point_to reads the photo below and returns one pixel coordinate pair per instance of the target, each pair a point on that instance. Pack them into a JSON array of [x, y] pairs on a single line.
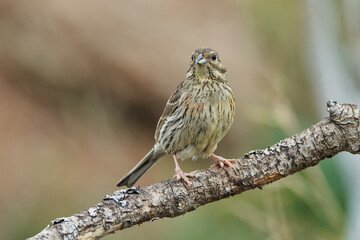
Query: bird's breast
[[211, 116], [203, 117]]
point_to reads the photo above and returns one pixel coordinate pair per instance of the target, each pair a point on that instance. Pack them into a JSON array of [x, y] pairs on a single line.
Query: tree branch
[[171, 198]]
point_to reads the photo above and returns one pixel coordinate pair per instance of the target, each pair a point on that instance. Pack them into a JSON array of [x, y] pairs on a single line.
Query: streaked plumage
[[196, 117]]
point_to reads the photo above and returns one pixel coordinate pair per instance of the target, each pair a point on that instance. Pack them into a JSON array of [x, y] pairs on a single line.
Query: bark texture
[[126, 208]]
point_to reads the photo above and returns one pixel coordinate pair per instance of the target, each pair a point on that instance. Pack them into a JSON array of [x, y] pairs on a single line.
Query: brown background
[[82, 84]]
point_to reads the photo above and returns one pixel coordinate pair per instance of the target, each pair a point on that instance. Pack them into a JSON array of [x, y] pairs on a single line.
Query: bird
[[196, 117]]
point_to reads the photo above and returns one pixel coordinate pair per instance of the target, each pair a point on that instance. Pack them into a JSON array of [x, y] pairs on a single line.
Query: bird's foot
[[221, 162], [179, 174]]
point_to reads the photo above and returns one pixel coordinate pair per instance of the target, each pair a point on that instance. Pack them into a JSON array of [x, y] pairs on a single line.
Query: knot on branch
[[346, 117]]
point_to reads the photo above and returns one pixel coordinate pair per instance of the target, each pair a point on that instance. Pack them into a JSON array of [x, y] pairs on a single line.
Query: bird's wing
[[171, 104]]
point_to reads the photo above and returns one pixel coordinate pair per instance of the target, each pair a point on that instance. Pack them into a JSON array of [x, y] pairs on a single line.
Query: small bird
[[196, 117]]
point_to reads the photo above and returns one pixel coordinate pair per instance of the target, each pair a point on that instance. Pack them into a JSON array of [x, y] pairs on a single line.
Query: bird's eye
[[192, 58], [213, 57]]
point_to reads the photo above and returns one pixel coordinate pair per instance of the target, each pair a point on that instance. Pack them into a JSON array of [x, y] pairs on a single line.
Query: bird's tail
[[131, 177]]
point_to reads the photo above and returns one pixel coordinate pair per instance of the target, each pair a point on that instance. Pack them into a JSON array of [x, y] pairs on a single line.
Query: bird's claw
[[179, 174], [221, 162]]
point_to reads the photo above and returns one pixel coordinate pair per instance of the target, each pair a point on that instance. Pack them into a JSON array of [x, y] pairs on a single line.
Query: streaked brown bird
[[196, 117]]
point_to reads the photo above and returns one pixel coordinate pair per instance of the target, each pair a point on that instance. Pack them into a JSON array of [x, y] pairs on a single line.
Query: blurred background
[[83, 83]]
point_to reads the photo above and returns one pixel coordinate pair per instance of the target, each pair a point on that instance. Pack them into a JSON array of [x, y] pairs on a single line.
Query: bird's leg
[[179, 174], [220, 161]]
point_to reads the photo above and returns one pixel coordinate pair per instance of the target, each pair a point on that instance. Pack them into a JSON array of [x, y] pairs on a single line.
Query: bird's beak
[[200, 59]]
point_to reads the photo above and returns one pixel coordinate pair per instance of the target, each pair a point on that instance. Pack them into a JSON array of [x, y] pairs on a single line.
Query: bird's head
[[205, 63]]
